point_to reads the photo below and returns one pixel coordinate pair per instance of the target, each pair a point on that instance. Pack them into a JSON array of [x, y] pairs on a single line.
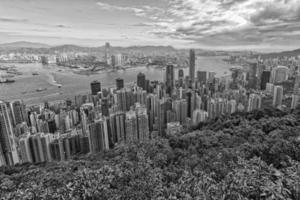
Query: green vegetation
[[243, 156]]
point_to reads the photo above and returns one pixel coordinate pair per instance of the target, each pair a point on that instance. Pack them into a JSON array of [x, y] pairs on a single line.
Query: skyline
[[269, 25]]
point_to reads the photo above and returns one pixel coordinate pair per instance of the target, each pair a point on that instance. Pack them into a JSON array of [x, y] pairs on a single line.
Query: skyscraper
[[270, 88], [143, 123], [192, 64], [254, 102], [169, 79], [180, 107], [180, 74], [119, 83], [131, 126], [278, 96], [265, 78], [141, 80], [199, 116], [295, 100], [18, 112], [202, 76], [107, 53], [95, 87], [7, 137], [98, 136], [297, 84], [279, 74], [180, 77], [296, 92], [105, 106]]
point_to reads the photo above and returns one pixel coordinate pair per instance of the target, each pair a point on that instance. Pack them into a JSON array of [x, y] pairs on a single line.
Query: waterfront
[[53, 76]]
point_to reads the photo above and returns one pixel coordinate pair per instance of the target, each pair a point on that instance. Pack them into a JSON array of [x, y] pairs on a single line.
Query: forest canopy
[[243, 156]]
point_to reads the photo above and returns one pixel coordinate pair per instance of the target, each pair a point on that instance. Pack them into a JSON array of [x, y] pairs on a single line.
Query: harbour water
[[57, 83]]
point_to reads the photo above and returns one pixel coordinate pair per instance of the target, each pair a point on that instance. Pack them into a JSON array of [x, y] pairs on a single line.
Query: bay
[[51, 76]]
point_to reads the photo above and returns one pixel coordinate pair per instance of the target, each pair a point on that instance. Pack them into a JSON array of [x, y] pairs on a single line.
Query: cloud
[[12, 20], [109, 7], [227, 22], [141, 11]]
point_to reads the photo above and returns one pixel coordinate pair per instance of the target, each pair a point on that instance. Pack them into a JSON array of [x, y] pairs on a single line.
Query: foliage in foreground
[[252, 156]]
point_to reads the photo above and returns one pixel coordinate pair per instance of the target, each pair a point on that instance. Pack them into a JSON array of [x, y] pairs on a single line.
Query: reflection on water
[[62, 83]]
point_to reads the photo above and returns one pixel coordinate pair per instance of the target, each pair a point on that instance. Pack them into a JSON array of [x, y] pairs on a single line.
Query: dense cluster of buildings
[[107, 117]]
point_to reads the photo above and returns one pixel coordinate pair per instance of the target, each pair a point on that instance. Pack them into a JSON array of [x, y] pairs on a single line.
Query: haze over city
[[268, 25]]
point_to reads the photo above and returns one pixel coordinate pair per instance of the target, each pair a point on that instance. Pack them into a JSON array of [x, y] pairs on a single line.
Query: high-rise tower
[[192, 65], [169, 79], [95, 87], [141, 80], [7, 137]]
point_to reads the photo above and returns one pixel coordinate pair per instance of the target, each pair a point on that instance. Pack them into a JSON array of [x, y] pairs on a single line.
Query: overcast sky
[[213, 24]]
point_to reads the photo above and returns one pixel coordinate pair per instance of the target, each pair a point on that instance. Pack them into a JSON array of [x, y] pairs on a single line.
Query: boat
[[41, 89], [7, 81], [35, 73], [7, 76]]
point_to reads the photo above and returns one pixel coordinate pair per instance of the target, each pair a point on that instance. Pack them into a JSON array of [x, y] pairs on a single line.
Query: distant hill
[[23, 44], [38, 48], [295, 52]]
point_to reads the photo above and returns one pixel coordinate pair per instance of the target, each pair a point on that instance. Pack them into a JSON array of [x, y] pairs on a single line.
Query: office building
[[25, 153], [95, 87], [107, 57], [116, 128], [98, 136], [7, 137], [169, 79], [180, 77], [199, 116], [202, 76], [141, 80], [297, 84], [192, 65], [265, 78], [295, 101], [254, 102], [270, 88], [131, 126], [142, 123], [180, 74], [279, 74], [119, 83], [18, 112], [277, 96], [211, 77], [181, 109]]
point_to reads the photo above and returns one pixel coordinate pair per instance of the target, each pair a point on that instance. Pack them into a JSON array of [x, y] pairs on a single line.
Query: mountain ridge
[[24, 44]]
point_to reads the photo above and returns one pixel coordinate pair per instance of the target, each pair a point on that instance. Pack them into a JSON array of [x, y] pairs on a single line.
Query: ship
[[7, 76], [35, 73], [41, 89], [7, 81]]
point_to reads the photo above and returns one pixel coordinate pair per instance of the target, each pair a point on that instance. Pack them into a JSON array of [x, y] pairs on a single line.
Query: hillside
[[243, 156], [23, 44], [37, 48], [295, 52]]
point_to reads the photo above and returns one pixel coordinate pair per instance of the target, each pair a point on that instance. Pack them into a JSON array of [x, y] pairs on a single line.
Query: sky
[[264, 25]]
